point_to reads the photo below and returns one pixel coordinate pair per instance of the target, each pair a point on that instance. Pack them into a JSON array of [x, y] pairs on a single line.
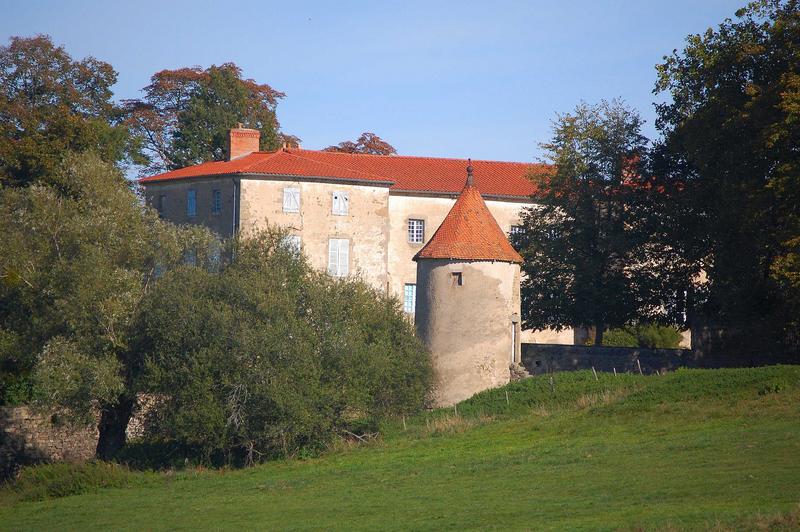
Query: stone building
[[351, 214], [468, 300]]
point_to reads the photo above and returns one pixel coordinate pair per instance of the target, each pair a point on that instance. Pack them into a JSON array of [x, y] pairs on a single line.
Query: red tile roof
[[469, 232], [402, 173]]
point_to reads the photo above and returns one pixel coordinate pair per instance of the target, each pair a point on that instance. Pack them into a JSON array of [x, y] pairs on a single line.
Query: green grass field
[[694, 449]]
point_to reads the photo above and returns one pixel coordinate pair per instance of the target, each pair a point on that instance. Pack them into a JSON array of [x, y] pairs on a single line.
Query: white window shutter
[[333, 256], [344, 257], [340, 202], [291, 200]]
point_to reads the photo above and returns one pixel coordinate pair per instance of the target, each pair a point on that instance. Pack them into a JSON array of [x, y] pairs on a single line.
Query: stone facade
[[365, 224], [471, 330]]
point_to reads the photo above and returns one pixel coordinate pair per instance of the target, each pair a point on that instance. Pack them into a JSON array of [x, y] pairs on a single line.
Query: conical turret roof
[[469, 232]]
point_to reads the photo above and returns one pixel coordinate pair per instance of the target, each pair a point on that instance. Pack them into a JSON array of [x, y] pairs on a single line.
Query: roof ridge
[[364, 172], [427, 157]]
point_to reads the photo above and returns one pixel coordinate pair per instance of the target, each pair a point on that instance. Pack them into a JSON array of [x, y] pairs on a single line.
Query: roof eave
[[281, 177]]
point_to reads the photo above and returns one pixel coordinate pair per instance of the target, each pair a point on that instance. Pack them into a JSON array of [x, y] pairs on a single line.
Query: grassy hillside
[[691, 449]]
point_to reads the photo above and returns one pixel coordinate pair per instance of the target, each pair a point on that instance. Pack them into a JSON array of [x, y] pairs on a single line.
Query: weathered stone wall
[[27, 437], [366, 225], [544, 358], [468, 328], [173, 205]]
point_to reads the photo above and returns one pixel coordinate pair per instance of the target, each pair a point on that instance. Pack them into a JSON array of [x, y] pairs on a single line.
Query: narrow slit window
[[458, 279]]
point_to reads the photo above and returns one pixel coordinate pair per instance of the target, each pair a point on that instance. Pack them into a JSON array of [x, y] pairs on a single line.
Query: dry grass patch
[[452, 424]]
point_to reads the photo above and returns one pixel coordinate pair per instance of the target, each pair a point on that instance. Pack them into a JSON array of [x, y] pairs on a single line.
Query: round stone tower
[[468, 300]]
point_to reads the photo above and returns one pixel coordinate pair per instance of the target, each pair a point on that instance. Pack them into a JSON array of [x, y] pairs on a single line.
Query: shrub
[[266, 357], [60, 480], [650, 336]]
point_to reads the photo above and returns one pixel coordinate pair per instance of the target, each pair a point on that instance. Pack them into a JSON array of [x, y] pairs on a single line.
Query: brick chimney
[[242, 141]]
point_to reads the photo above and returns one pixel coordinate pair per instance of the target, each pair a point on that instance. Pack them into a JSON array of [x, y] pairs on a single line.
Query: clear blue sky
[[453, 79]]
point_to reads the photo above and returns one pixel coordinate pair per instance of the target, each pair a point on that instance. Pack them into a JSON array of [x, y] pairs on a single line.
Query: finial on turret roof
[[469, 172]]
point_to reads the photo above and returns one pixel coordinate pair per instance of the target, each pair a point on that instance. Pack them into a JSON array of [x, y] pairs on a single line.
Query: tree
[[588, 256], [267, 356], [731, 131], [185, 115], [78, 258], [368, 143], [50, 105]]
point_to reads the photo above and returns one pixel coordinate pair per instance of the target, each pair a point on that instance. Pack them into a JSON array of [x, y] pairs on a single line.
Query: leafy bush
[[266, 357], [60, 480], [646, 335], [620, 338]]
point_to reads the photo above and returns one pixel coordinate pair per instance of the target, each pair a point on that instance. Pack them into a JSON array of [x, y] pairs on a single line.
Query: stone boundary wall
[[544, 358], [27, 437]]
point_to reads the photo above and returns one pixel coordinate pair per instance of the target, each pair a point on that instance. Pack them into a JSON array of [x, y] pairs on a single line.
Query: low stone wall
[[27, 437], [545, 358]]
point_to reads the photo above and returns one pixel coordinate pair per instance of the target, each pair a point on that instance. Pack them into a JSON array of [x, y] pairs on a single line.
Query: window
[[409, 298], [341, 203], [161, 204], [292, 242], [191, 203], [216, 201], [416, 231], [458, 279], [291, 200], [338, 257], [190, 257], [515, 234]]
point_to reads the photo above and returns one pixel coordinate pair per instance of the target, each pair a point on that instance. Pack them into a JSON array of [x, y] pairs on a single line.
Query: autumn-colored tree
[[185, 115], [51, 104], [731, 129], [368, 143]]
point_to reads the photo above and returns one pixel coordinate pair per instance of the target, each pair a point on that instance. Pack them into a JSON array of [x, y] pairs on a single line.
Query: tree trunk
[[113, 424], [598, 334]]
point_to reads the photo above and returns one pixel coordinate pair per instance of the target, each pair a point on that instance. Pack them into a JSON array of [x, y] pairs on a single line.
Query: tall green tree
[[589, 257], [731, 131], [185, 115], [52, 104], [79, 256]]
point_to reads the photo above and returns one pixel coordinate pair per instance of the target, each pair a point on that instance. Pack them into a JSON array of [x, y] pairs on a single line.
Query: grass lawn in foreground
[[692, 449]]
